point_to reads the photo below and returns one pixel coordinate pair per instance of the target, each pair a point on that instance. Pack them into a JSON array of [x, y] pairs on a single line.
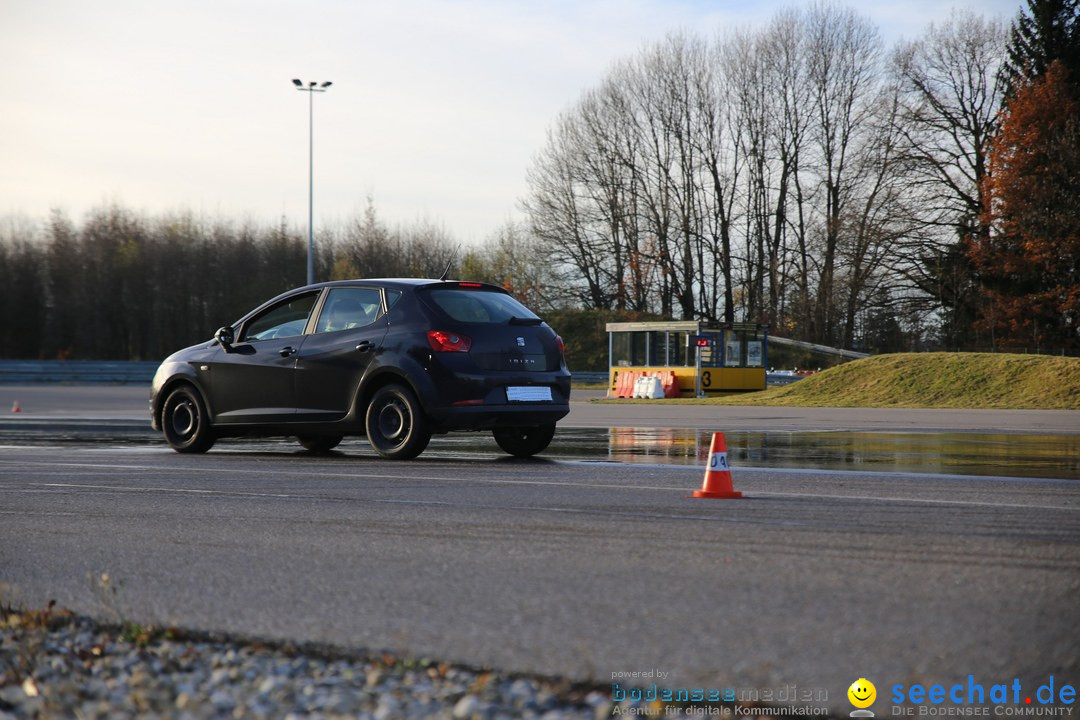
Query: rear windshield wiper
[[525, 321]]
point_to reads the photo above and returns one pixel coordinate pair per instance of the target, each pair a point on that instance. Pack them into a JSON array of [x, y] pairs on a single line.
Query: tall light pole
[[311, 89]]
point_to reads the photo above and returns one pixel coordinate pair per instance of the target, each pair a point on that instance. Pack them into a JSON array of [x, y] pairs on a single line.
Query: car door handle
[[287, 351], [364, 345]]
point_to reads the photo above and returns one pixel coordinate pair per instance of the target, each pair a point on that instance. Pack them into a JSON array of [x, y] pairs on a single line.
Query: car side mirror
[[224, 336]]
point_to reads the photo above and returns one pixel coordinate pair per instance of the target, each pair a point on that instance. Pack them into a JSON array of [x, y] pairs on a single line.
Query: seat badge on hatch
[[521, 342]]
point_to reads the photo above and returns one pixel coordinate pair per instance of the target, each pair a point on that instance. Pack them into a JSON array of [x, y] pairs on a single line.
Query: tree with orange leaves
[[1029, 264]]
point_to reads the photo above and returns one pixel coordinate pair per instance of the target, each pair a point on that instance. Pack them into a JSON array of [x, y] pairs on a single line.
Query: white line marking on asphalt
[[497, 481], [37, 513], [928, 501], [766, 493], [443, 503], [350, 475], [750, 469], [190, 491]]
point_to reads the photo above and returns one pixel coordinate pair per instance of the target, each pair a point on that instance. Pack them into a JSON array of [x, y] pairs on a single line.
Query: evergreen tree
[[1048, 30]]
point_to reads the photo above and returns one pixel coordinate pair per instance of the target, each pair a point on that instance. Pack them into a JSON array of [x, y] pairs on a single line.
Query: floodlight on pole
[[310, 90]]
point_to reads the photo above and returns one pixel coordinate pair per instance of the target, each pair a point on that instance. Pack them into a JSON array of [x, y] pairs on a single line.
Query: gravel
[[56, 664]]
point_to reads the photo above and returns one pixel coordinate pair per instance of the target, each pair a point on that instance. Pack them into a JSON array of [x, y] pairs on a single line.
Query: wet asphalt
[[583, 568]]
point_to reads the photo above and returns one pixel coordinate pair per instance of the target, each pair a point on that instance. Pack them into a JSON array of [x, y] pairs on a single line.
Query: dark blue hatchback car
[[396, 360]]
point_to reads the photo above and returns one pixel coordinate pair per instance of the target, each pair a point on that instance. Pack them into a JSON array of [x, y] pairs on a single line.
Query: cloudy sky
[[436, 108]]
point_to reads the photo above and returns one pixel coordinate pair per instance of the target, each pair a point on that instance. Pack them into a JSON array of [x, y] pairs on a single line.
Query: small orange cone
[[15, 407], [717, 482]]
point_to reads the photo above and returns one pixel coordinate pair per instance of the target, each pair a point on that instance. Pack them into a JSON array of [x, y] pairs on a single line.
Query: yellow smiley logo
[[862, 693]]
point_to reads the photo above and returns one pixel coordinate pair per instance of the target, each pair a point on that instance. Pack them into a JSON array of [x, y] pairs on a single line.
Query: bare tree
[[777, 175], [951, 95], [560, 216], [877, 218], [843, 51], [744, 66], [608, 156], [770, 92], [719, 127], [784, 50], [23, 290]]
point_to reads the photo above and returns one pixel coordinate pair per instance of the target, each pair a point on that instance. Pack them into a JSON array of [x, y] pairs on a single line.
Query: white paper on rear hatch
[[528, 394]]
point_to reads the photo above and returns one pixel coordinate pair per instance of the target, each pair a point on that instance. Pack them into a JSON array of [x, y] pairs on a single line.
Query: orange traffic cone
[[717, 482], [15, 407]]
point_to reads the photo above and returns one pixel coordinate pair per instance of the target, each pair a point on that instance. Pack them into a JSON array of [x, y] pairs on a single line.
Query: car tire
[[524, 441], [320, 443], [396, 426], [185, 421]]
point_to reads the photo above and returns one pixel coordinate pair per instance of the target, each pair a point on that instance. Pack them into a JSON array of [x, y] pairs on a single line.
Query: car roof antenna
[[446, 272]]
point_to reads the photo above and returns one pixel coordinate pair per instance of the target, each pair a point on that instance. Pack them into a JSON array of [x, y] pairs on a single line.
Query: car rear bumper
[[488, 417], [459, 398]]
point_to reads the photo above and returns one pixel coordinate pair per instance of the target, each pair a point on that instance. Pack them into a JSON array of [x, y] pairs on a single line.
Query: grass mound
[[935, 380]]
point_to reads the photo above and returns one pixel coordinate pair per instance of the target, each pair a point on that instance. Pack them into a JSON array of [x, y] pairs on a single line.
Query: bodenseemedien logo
[[862, 694]]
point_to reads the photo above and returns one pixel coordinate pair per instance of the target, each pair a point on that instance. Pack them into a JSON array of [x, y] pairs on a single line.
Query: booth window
[[654, 348]]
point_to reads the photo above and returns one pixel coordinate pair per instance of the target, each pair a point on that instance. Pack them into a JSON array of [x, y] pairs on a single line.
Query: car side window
[[348, 308], [286, 319]]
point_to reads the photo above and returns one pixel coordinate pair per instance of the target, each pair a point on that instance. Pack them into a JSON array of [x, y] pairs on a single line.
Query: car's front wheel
[[319, 443], [395, 423], [185, 422], [524, 441]]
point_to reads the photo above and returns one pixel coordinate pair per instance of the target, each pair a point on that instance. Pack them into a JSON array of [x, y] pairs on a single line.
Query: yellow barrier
[[713, 379]]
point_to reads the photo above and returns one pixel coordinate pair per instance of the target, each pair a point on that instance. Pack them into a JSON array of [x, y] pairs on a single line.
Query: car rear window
[[480, 306]]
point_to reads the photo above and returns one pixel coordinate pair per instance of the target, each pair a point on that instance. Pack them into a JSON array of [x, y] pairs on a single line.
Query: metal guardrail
[[77, 372], [598, 377], [771, 378], [118, 372], [814, 347]]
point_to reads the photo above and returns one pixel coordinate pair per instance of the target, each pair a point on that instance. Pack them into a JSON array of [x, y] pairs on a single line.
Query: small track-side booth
[[693, 358]]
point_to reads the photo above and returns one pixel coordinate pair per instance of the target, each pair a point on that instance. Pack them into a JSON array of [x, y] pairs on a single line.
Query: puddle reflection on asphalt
[[1012, 455], [1037, 456]]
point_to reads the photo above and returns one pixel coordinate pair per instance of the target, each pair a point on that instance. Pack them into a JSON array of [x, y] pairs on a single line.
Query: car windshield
[[481, 306]]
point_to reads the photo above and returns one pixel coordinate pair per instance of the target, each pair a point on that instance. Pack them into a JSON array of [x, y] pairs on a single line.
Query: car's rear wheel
[[185, 422], [395, 423], [524, 441], [319, 443]]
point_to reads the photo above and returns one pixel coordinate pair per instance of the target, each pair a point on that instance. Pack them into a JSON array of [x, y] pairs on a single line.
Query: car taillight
[[442, 341], [560, 344], [470, 285]]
